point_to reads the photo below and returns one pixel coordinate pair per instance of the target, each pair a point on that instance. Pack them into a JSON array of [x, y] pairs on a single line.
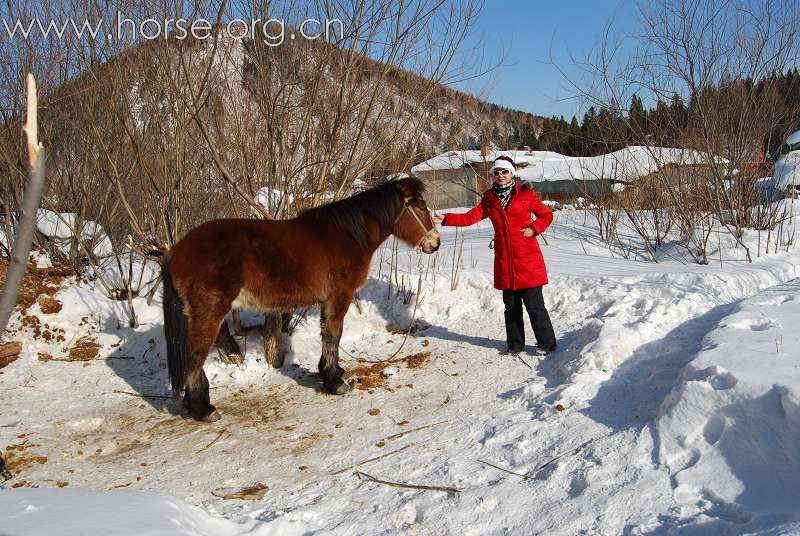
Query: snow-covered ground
[[728, 433], [671, 406], [45, 512]]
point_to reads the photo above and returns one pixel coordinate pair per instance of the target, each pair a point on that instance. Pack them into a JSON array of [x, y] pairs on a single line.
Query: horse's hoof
[[338, 388], [211, 417]]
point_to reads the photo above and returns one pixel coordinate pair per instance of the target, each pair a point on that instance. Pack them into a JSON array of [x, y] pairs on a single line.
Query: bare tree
[[715, 56]]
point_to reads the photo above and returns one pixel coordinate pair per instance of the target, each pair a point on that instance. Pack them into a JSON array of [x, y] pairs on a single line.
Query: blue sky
[[526, 32]]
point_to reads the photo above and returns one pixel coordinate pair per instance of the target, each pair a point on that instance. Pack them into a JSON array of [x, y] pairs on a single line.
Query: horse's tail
[[175, 328]]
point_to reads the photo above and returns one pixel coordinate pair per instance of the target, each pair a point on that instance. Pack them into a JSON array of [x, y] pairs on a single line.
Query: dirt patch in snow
[[370, 377], [41, 330], [48, 304], [417, 360], [137, 431], [84, 349], [134, 439], [373, 376], [39, 282], [18, 458]]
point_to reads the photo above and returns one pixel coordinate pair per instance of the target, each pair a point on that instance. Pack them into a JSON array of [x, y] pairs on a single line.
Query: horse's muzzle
[[430, 242]]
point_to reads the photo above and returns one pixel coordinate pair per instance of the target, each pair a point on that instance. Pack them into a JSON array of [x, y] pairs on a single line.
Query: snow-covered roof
[[793, 140], [787, 170], [625, 165]]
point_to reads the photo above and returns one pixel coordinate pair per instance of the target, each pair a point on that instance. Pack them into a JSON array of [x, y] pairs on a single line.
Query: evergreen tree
[[637, 117], [678, 111]]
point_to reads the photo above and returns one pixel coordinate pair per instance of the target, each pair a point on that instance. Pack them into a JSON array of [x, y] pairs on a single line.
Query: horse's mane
[[379, 202]]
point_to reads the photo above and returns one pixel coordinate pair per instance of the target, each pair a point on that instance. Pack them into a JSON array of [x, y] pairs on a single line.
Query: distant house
[[787, 168], [458, 178]]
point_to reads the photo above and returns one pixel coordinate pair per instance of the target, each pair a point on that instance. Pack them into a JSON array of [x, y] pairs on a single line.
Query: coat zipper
[[508, 233]]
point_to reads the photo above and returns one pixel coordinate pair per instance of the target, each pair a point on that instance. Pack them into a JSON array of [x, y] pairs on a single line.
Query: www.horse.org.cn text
[[272, 32]]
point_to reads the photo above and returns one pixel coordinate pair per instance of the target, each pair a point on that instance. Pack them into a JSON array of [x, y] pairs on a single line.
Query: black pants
[[540, 320]]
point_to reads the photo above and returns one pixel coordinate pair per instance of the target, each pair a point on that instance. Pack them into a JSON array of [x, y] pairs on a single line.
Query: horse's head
[[413, 224]]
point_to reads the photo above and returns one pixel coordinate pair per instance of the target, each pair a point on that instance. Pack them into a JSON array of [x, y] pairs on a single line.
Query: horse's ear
[[410, 187], [403, 189]]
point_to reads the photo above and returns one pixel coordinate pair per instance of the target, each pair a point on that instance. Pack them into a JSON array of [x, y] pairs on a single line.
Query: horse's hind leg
[[331, 322], [203, 328], [196, 397]]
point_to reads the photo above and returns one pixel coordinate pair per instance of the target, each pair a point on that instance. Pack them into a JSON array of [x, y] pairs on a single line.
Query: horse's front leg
[[331, 321]]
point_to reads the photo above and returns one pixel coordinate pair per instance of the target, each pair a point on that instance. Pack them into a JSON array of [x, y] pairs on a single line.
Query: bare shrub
[[709, 67]]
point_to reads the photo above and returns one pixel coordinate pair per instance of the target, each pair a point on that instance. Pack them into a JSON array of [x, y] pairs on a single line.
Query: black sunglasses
[[498, 172]]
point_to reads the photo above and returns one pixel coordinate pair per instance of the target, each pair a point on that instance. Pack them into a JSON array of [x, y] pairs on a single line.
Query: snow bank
[[34, 512], [270, 198], [142, 272], [730, 430], [625, 165], [62, 228]]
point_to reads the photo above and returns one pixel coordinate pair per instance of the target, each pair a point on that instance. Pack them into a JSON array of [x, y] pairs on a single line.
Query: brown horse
[[320, 257]]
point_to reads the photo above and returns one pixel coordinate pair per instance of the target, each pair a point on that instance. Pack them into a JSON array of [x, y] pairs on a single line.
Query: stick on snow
[[376, 458], [523, 477], [401, 434], [408, 486], [556, 458]]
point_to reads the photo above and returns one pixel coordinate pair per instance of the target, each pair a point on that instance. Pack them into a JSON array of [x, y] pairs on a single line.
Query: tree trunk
[[9, 353], [271, 334], [27, 217], [227, 347]]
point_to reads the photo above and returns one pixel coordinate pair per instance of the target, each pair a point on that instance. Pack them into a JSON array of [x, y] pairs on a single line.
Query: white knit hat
[[502, 163]]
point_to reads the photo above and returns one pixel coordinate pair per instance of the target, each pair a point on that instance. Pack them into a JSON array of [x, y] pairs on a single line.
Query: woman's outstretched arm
[[471, 217]]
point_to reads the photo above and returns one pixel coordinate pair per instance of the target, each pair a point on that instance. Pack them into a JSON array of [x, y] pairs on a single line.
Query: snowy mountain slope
[[583, 430]]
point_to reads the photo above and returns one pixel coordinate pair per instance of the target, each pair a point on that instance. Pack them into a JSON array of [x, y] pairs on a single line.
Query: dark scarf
[[504, 192]]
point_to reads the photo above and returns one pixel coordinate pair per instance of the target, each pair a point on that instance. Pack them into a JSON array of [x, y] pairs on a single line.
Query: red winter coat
[[518, 261]]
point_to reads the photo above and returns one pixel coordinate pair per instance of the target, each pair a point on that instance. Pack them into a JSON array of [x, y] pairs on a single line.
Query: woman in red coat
[[519, 269]]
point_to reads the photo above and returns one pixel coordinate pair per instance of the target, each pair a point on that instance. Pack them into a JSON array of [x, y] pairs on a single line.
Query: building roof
[[625, 165], [787, 170], [793, 140]]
